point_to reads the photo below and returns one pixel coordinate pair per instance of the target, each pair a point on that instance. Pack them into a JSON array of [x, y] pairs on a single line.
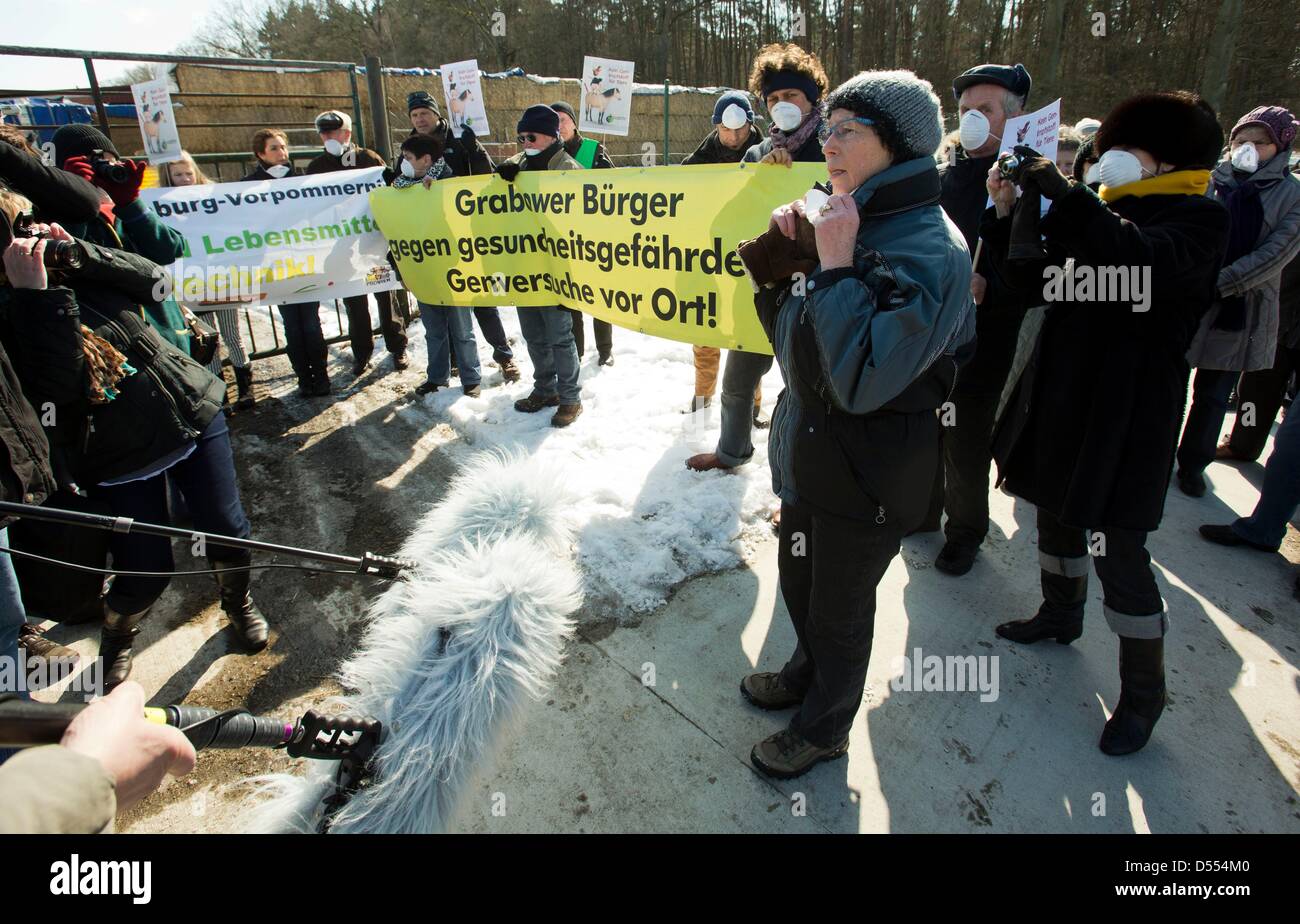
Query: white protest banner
[[460, 85], [1040, 130], [297, 239], [606, 96], [153, 109]]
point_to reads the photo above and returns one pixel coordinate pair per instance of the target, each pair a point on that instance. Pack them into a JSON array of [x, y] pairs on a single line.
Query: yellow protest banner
[[652, 249]]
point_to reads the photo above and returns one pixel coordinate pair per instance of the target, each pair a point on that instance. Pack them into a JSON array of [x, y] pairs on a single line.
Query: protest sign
[[460, 85], [295, 239], [1040, 130], [153, 109], [651, 249], [606, 96]]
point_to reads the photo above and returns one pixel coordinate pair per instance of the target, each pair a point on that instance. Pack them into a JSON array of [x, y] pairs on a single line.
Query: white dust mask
[[335, 147], [1246, 157], [787, 116], [278, 171], [974, 130], [1119, 168]]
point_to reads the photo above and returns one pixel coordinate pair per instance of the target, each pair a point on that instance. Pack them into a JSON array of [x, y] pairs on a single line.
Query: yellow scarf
[[1174, 183]]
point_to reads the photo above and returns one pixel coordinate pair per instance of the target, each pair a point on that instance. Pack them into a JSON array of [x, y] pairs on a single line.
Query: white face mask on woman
[[408, 169], [787, 116], [1245, 157], [1119, 168], [278, 171], [974, 130]]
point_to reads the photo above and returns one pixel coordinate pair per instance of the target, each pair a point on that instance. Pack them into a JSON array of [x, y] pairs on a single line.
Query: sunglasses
[[841, 129], [527, 136]]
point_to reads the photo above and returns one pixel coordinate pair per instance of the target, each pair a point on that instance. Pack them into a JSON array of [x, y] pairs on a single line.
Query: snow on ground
[[644, 522]]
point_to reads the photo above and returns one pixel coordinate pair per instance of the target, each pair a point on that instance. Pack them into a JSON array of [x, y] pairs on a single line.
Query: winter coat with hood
[[713, 151], [1257, 275], [168, 400], [1090, 429], [869, 352]]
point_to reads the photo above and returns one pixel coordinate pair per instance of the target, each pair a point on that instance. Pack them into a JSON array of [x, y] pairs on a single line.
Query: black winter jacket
[[168, 401], [713, 151]]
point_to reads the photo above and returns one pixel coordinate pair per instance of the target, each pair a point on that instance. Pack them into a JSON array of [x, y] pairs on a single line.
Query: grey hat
[[907, 113]]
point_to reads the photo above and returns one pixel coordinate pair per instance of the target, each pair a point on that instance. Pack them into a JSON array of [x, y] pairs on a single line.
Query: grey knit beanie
[[907, 113]]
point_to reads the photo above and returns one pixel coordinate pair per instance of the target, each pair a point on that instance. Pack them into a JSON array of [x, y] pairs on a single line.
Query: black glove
[[508, 171], [1041, 173]]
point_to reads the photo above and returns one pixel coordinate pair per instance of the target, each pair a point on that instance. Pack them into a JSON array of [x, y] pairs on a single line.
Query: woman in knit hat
[[1240, 334], [869, 345], [1091, 425]]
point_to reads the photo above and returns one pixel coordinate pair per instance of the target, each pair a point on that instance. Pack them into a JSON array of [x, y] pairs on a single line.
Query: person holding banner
[[790, 82], [445, 327], [869, 344], [465, 156], [304, 340], [590, 154], [733, 134], [340, 153], [548, 331]]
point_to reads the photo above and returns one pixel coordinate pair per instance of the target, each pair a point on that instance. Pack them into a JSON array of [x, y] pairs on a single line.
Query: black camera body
[[1009, 165], [108, 170]]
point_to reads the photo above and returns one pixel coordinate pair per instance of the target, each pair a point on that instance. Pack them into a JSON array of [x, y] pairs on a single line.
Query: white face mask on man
[[786, 116], [974, 130], [278, 171], [1245, 157], [335, 147], [1119, 168]]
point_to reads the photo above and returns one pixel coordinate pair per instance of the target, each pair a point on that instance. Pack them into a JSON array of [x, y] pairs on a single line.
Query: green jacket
[[137, 230]]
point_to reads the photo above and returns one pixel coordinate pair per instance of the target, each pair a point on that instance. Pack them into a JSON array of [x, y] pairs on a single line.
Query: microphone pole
[[368, 563]]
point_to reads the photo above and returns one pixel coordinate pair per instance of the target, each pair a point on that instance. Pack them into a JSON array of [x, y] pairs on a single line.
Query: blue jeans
[[1281, 493], [12, 613], [206, 479], [304, 340], [549, 335], [444, 324]]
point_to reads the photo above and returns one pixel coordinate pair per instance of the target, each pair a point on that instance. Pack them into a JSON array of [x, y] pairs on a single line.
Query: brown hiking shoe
[[535, 402], [787, 754], [32, 639], [1224, 453], [766, 691], [566, 415], [509, 371]]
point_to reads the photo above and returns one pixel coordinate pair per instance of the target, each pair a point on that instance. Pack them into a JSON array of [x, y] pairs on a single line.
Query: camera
[[108, 170], [61, 255], [1009, 165]]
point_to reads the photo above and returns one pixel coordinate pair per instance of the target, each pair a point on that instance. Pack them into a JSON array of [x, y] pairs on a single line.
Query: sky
[[148, 26]]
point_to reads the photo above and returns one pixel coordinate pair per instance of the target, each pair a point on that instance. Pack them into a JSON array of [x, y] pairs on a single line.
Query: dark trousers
[[741, 378], [304, 340], [206, 479], [1132, 602], [1259, 398], [830, 591], [604, 333], [1210, 393], [391, 323], [967, 442]]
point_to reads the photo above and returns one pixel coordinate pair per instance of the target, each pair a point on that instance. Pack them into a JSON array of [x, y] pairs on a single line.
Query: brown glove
[[772, 258]]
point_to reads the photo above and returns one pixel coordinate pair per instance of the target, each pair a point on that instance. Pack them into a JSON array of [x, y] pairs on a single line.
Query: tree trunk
[[1218, 58]]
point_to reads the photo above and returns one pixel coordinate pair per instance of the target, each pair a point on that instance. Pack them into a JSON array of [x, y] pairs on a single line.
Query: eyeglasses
[[527, 137], [840, 129]]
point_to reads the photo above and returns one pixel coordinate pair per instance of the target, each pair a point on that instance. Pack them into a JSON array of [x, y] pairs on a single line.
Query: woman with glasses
[[869, 351]]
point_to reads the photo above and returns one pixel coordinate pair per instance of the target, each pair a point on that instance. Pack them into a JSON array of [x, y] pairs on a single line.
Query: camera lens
[[63, 255], [112, 172]]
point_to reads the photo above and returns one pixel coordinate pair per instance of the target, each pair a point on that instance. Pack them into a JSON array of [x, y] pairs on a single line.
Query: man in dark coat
[[986, 96], [342, 154], [1091, 427], [466, 157]]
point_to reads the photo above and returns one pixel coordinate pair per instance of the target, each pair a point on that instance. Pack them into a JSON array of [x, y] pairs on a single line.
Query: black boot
[[244, 382], [115, 643], [1060, 616], [234, 580], [1141, 696]]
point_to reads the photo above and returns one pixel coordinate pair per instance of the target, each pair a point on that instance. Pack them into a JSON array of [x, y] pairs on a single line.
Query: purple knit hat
[[1278, 122]]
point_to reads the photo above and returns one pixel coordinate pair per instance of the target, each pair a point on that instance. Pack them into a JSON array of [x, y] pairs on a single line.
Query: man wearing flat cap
[[986, 97]]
